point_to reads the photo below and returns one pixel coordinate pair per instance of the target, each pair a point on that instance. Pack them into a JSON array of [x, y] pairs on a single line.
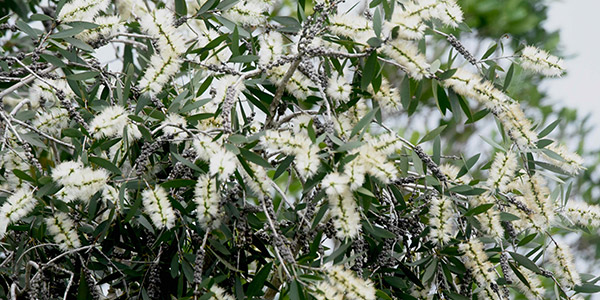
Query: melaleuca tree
[[235, 150]]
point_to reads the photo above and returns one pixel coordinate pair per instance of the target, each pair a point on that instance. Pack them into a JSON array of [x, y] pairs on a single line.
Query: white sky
[[577, 22]]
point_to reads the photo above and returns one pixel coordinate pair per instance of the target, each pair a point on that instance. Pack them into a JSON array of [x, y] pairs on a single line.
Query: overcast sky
[[578, 26]]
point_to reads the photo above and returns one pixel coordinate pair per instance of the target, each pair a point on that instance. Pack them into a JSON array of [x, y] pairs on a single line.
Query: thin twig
[[26, 80]]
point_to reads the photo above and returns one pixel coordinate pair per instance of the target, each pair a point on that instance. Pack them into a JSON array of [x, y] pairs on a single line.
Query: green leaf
[[290, 24], [363, 122], [468, 165], [243, 58], [283, 166], [175, 104], [258, 282], [26, 28], [22, 175], [296, 291], [479, 209], [53, 60], [509, 76], [83, 75], [490, 51], [504, 216], [527, 239], [40, 17], [79, 44], [525, 262], [206, 6], [177, 183], [447, 74], [186, 162], [104, 164], [67, 33], [587, 288], [546, 131], [377, 23], [368, 71], [349, 146], [430, 270], [410, 274], [432, 134], [255, 158], [180, 7]]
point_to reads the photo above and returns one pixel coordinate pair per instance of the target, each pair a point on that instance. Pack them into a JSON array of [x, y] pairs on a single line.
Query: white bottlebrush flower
[[345, 121], [440, 219], [335, 183], [583, 213], [81, 10], [357, 28], [208, 199], [346, 218], [489, 219], [388, 97], [158, 207], [349, 284], [301, 123], [338, 88], [205, 147], [249, 13], [219, 293], [564, 267], [491, 97], [160, 23], [159, 72], [217, 55], [534, 289], [306, 154], [78, 182], [376, 163], [222, 85], [407, 55], [13, 160], [488, 293], [271, 46], [452, 171], [307, 161], [110, 122], [477, 262], [127, 8], [386, 143], [355, 170], [423, 8], [172, 126], [326, 291], [502, 170], [410, 26], [449, 13], [260, 183], [108, 26], [536, 196], [540, 61], [421, 293], [65, 169], [518, 126], [570, 162], [463, 83], [298, 85], [223, 164], [44, 91], [61, 227], [111, 194], [17, 206], [52, 121]]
